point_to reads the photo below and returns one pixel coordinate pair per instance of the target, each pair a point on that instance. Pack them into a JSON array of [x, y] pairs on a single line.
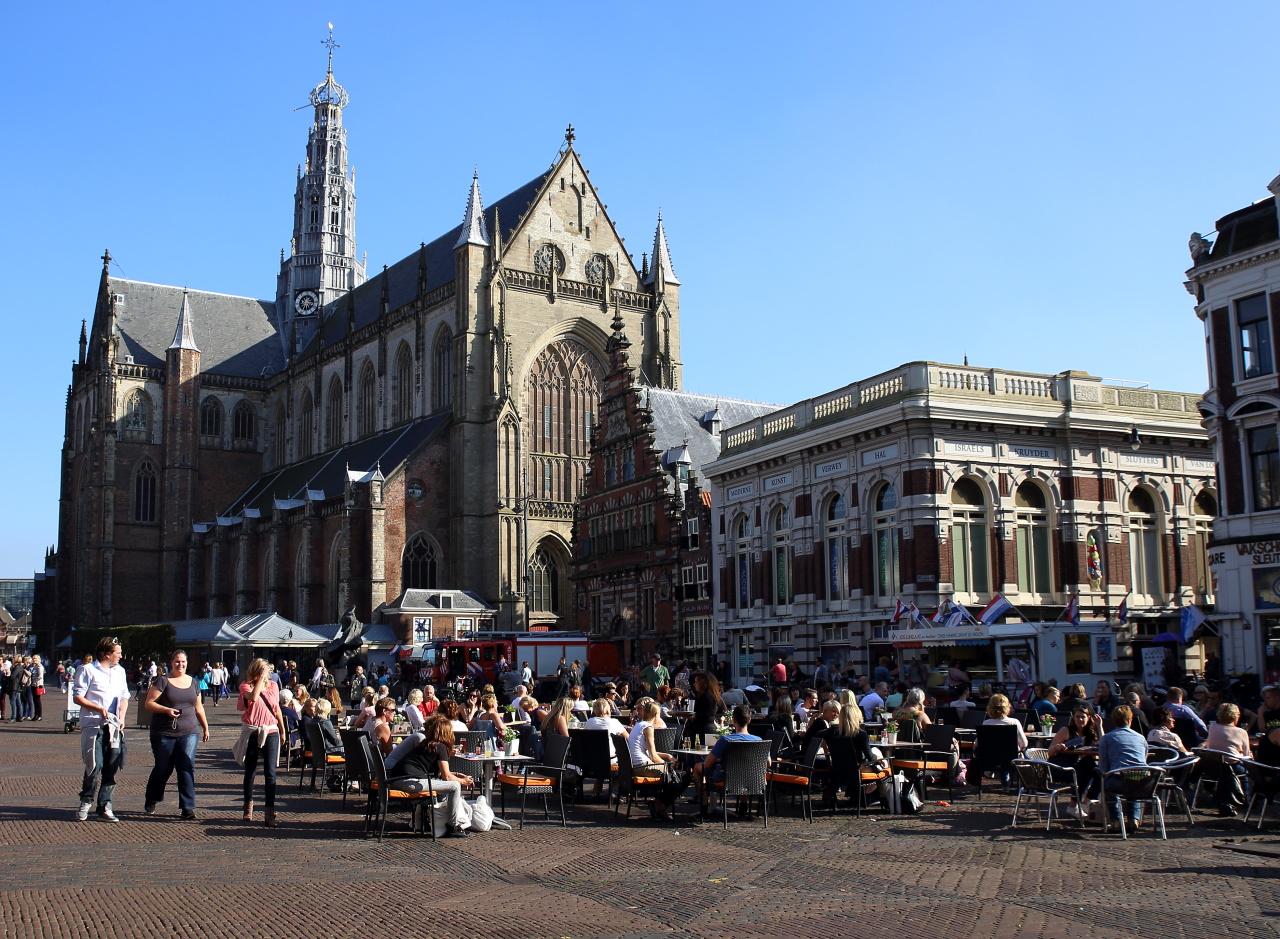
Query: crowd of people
[[22, 688]]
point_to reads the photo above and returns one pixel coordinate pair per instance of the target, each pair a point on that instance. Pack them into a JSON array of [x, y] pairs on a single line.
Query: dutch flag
[[1122, 611], [940, 615], [997, 608], [898, 610], [1072, 613]]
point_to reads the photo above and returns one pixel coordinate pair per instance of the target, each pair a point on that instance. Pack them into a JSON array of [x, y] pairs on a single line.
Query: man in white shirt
[[521, 692], [807, 704], [873, 700], [103, 695], [526, 675]]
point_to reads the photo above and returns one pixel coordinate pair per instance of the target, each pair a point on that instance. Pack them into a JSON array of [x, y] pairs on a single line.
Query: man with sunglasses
[[102, 693]]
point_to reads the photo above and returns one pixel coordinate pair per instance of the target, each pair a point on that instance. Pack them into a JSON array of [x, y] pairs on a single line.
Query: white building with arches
[[935, 483]]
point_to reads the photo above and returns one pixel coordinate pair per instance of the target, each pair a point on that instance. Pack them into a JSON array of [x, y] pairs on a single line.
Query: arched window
[[833, 548], [306, 424], [1031, 539], [1204, 508], [442, 371], [144, 493], [137, 416], [561, 390], [741, 548], [333, 589], [243, 424], [1144, 544], [282, 430], [421, 566], [544, 583], [333, 415], [368, 422], [780, 548], [970, 567], [211, 417], [885, 527], [402, 393]]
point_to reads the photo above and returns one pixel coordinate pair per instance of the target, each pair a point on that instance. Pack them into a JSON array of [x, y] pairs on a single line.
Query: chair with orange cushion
[[933, 763], [550, 777], [798, 777], [589, 751], [332, 762], [382, 797], [848, 772], [627, 784], [746, 775]]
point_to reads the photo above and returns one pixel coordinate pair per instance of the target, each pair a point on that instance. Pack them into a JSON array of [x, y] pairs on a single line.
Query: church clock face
[[305, 302]]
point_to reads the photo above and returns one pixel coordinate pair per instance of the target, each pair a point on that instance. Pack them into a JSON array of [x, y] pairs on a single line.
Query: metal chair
[[1188, 732], [1264, 783], [1036, 780], [322, 757], [1131, 784], [1213, 763], [746, 775], [799, 777], [589, 751], [1173, 785], [1161, 755], [383, 797], [541, 779], [848, 772], [1036, 753], [666, 739], [627, 783], [357, 769]]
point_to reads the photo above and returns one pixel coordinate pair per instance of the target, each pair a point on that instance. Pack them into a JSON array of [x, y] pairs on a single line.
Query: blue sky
[[845, 187]]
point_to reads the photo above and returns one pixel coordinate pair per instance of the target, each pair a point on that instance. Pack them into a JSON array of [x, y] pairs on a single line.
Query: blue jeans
[[17, 709], [101, 765], [173, 753], [268, 754]]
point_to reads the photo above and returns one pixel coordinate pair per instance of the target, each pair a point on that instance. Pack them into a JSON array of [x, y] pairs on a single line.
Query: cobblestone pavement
[[956, 871]]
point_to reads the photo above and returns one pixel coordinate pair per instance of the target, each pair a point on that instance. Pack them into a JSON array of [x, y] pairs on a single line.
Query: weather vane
[[332, 45]]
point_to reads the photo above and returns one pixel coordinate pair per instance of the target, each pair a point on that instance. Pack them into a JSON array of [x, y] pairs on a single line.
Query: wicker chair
[[1036, 780], [1213, 763], [383, 796], [850, 774], [550, 777], [332, 762], [746, 775], [627, 783], [666, 739], [357, 769], [589, 751], [995, 748], [798, 777]]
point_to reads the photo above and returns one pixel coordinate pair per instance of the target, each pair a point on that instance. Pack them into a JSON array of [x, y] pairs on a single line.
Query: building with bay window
[[937, 483], [1235, 280]]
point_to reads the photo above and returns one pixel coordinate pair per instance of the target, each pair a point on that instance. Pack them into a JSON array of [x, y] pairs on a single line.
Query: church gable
[[568, 225]]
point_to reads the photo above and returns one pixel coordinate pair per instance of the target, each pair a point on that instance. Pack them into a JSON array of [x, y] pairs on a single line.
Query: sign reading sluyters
[[1259, 553]]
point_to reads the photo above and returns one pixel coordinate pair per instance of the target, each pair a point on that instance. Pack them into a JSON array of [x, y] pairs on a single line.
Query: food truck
[[1009, 654]]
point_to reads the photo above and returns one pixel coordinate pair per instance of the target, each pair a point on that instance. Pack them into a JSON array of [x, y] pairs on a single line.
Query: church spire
[[661, 270], [183, 336], [474, 231]]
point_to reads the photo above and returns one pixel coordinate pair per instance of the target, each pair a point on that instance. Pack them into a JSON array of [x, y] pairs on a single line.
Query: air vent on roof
[[128, 360], [118, 297]]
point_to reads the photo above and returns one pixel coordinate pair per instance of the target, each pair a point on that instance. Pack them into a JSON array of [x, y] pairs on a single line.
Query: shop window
[[1079, 656]]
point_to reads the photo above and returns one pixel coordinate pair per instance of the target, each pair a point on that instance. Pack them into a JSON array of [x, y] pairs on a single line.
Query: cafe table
[[484, 764]]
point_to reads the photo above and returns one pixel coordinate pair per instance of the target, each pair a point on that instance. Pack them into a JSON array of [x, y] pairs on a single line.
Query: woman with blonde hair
[[557, 719], [646, 760], [367, 699], [913, 709], [998, 714], [413, 710], [261, 730], [335, 702]]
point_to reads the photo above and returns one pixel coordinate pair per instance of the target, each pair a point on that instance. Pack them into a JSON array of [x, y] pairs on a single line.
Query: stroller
[[71, 715]]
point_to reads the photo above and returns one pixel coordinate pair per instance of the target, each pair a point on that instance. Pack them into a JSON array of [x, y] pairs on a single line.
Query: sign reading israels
[[940, 633], [741, 491], [968, 448]]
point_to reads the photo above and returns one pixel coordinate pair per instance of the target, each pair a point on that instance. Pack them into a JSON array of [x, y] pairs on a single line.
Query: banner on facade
[[947, 634]]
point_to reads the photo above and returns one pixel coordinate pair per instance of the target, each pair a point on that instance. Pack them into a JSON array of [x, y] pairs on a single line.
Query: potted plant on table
[[511, 741], [890, 731]]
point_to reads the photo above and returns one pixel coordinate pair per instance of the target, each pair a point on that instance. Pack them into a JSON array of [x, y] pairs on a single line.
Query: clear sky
[[845, 186]]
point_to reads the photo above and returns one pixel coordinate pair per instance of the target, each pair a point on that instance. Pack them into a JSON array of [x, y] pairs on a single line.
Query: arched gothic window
[[833, 548], [969, 555], [544, 583], [282, 430], [243, 424], [561, 393], [885, 525], [211, 417], [306, 425], [1031, 539], [368, 422], [780, 548], [144, 493], [137, 416], [333, 415], [421, 565], [403, 391], [1204, 508], [442, 371], [1144, 544]]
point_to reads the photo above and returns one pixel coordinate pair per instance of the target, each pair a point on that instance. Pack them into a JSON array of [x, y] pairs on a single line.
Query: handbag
[[39, 689], [481, 814]]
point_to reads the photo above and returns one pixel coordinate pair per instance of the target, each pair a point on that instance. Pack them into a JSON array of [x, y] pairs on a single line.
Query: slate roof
[[328, 471], [236, 335], [461, 601], [262, 628], [677, 416], [1245, 229], [401, 278]]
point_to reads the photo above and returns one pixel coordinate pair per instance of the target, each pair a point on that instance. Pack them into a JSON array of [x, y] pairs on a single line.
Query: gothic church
[[357, 435]]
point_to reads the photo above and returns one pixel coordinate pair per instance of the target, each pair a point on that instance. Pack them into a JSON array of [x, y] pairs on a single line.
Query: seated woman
[[328, 733], [306, 719], [413, 710], [427, 764], [912, 711], [489, 712], [647, 761], [287, 705], [577, 701], [602, 719], [1161, 732], [624, 694], [379, 729], [470, 706], [368, 698], [556, 721], [300, 698], [335, 703], [998, 714], [537, 712], [1226, 735], [782, 715], [1045, 703], [1083, 729]]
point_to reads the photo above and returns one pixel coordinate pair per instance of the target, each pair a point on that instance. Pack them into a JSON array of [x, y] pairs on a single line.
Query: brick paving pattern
[[956, 871]]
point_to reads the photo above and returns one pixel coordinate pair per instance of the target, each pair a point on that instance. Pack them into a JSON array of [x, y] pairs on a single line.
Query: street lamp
[[1135, 439]]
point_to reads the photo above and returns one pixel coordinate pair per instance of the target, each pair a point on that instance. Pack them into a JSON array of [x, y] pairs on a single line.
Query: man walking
[[103, 696]]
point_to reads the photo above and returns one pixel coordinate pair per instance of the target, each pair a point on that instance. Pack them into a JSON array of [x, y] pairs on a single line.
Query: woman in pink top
[[261, 730], [1227, 736]]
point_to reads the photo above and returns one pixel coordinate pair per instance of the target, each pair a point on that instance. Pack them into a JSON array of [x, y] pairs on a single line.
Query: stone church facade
[[427, 426]]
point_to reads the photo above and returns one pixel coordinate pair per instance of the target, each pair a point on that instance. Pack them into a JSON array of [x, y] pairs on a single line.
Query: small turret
[[184, 336], [474, 230]]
